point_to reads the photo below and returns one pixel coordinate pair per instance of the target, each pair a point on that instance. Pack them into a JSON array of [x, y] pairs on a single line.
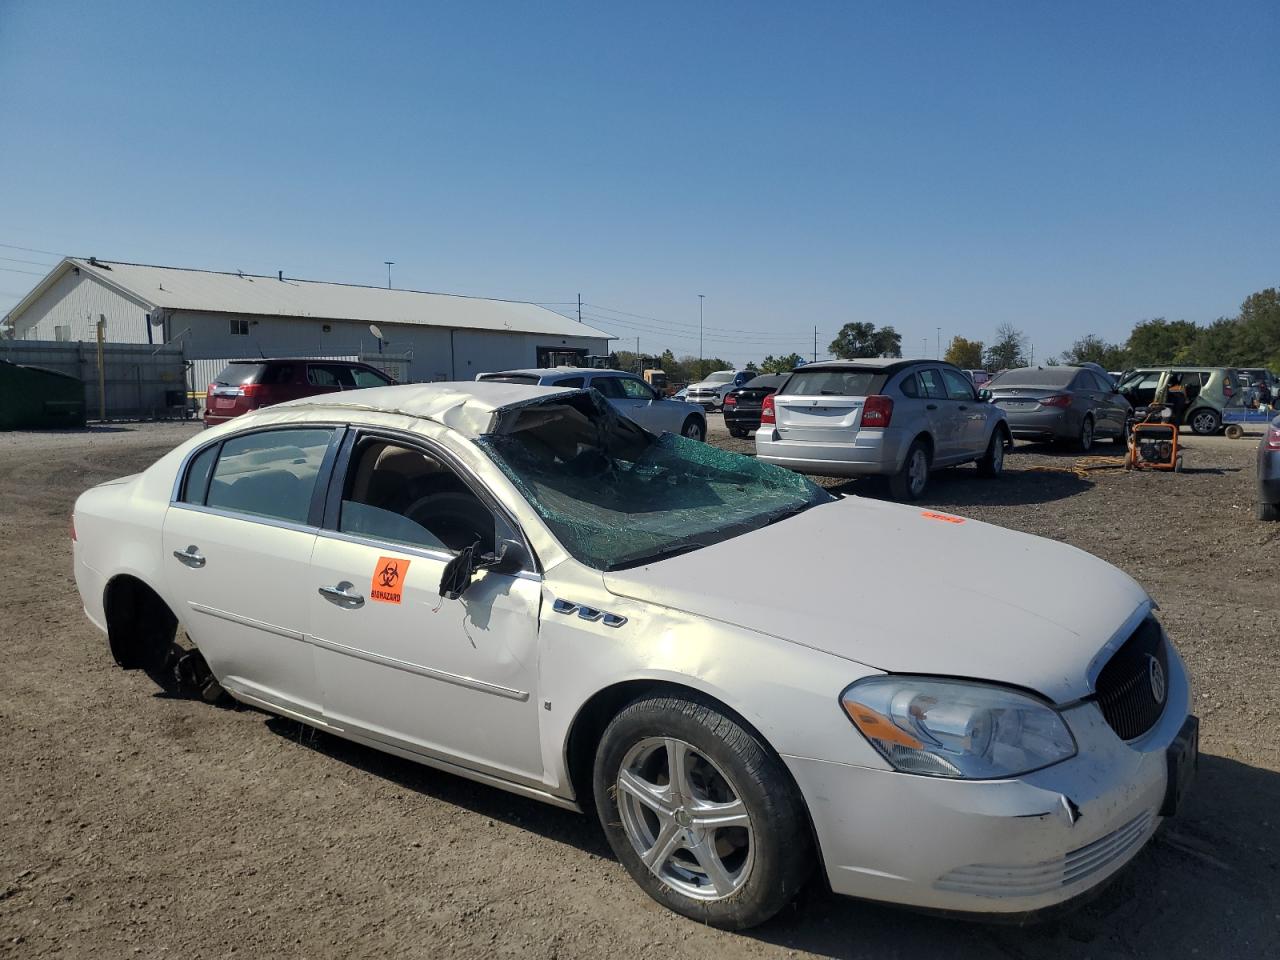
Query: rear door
[[237, 551], [970, 418], [940, 414], [817, 405]]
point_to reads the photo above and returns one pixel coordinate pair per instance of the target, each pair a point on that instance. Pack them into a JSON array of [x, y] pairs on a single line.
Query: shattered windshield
[[616, 496]]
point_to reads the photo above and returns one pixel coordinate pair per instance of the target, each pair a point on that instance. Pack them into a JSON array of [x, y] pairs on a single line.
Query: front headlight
[[951, 728]]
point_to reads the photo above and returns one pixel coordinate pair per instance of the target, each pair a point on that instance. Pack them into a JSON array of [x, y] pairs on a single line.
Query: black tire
[[992, 462], [780, 844], [1084, 441], [1204, 421], [738, 432], [1122, 440], [904, 485], [1268, 511], [695, 428]]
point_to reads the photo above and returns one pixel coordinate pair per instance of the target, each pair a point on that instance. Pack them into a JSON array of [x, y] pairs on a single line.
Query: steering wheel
[[456, 519]]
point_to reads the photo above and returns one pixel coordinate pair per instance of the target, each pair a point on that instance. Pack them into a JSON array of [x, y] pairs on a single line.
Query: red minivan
[[249, 384]]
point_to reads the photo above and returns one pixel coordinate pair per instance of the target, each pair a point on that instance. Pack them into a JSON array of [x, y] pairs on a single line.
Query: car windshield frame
[[615, 496]]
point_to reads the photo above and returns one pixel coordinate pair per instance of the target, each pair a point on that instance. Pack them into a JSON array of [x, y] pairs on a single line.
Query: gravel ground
[[137, 823]]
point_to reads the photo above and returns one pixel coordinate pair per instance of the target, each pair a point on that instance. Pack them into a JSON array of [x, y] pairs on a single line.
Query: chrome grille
[[1001, 880], [1125, 691]]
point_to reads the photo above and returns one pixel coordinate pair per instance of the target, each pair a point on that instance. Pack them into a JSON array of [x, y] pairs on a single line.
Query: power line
[[47, 253], [16, 270], [34, 263]]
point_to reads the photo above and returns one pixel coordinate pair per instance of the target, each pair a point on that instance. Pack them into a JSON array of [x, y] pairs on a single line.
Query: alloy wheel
[[685, 819], [997, 453], [1086, 435], [918, 473]]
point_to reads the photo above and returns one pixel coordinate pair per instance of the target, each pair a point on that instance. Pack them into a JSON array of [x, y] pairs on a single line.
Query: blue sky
[[1070, 168]]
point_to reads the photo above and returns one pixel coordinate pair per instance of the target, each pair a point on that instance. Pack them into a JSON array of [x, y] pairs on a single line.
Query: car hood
[[711, 384], [908, 590]]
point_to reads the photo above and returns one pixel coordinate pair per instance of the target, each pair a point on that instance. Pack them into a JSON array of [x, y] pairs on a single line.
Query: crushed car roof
[[467, 406]]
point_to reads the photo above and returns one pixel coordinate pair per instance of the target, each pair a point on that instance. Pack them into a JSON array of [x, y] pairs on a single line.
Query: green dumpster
[[32, 398]]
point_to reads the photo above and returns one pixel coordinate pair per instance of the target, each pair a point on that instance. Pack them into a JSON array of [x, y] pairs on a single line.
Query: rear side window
[[329, 375], [269, 474], [959, 387], [910, 386], [931, 384], [850, 382], [609, 386], [234, 374], [197, 481], [571, 383], [277, 374]]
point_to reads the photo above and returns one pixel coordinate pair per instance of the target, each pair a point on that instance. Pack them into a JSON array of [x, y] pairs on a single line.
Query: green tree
[[965, 354], [1093, 349], [695, 370], [785, 364], [863, 340], [1161, 341], [1259, 330], [1010, 349]]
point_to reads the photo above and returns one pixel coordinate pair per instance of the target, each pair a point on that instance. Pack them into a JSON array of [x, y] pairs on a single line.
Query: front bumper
[[870, 452], [1004, 846]]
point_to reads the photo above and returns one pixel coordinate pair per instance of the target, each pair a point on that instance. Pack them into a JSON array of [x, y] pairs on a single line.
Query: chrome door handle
[[342, 596], [191, 556]]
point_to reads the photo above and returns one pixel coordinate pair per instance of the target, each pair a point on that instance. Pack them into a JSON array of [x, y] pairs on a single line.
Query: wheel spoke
[[678, 767], [704, 852], [717, 816], [654, 797], [668, 842]]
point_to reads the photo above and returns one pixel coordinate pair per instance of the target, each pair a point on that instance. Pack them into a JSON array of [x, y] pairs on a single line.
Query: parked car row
[[921, 728]]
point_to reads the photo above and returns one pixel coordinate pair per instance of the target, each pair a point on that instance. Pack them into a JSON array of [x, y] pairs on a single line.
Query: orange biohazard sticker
[[944, 517], [388, 579]]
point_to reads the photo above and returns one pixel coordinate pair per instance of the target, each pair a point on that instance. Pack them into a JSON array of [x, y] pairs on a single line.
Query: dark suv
[[249, 384]]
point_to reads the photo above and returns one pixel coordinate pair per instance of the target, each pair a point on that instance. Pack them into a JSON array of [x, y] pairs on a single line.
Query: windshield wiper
[[670, 550]]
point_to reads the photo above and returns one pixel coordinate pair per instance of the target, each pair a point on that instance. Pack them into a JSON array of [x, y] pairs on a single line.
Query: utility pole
[[700, 298], [390, 264], [815, 344], [924, 347], [579, 308], [939, 356], [102, 370]]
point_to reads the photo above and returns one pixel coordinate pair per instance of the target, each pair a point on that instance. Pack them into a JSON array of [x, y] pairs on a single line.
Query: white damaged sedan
[[517, 585]]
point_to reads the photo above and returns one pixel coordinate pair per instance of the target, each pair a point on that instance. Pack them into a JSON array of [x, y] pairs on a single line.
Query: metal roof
[[178, 288]]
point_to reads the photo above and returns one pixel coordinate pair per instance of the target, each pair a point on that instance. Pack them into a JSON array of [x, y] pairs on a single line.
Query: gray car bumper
[[1041, 424], [871, 452]]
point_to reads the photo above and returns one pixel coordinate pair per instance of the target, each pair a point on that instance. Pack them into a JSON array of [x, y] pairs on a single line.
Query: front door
[[451, 679], [237, 550], [940, 413]]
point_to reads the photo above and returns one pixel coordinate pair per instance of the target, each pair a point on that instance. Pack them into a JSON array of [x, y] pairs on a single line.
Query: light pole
[[924, 348], [390, 264], [700, 299], [939, 356]]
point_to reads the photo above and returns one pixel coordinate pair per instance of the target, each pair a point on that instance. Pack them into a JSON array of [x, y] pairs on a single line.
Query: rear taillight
[[251, 390], [767, 414], [1061, 400], [731, 401], [1273, 438], [877, 411]]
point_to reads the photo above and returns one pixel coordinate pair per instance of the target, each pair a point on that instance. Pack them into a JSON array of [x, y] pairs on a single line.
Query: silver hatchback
[[893, 418]]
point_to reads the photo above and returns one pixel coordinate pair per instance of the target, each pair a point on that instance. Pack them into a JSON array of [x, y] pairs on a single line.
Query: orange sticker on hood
[[944, 517], [387, 585]]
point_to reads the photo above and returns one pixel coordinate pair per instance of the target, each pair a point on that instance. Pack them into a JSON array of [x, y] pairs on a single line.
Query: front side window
[[635, 389], [271, 473], [570, 383], [239, 328], [609, 387], [958, 385], [368, 378], [616, 496], [403, 494], [329, 375]]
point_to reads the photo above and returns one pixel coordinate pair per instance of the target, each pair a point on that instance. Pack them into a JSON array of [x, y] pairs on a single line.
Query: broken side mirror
[[461, 570]]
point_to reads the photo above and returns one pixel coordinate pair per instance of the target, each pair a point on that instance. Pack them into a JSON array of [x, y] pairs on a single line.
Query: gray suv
[[893, 418]]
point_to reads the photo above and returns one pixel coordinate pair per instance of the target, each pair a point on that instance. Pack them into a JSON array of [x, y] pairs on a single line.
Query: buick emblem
[[1155, 675]]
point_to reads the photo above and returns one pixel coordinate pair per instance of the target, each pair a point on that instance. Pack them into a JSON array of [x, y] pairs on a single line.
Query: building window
[[62, 332], [239, 328]]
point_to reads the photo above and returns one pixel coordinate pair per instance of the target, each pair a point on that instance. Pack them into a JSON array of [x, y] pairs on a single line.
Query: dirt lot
[[134, 823]]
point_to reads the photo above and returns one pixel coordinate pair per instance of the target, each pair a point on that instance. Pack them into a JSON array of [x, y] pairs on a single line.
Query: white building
[[220, 316]]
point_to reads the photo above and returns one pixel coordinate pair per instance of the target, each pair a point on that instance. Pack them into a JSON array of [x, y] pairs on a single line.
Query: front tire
[[695, 428], [701, 814], [738, 432], [913, 476], [1205, 422]]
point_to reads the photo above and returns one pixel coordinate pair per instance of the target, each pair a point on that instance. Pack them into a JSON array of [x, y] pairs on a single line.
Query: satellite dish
[[373, 328]]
